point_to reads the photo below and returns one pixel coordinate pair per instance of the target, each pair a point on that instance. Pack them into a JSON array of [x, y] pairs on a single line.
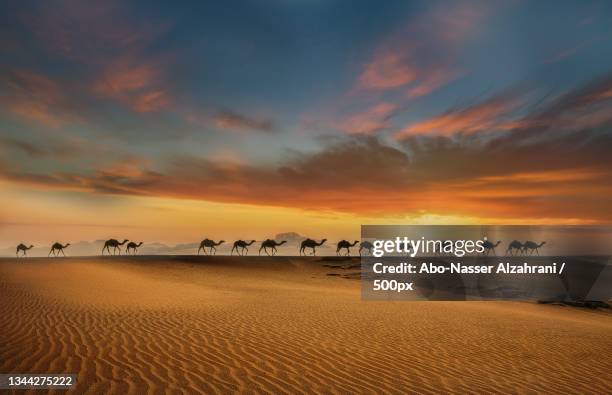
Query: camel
[[310, 243], [345, 244], [488, 247], [58, 247], [366, 245], [272, 244], [132, 246], [113, 243], [210, 244], [243, 245], [22, 247], [515, 245], [532, 246]]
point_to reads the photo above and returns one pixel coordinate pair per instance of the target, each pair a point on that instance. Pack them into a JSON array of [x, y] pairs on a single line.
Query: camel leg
[[62, 250], [50, 252]]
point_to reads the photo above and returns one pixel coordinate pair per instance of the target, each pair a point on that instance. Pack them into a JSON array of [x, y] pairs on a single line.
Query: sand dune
[[281, 325]]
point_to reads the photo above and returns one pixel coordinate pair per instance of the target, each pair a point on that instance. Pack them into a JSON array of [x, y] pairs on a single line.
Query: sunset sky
[[242, 119]]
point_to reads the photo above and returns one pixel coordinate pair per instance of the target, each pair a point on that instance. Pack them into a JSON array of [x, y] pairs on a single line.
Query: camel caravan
[[269, 247]]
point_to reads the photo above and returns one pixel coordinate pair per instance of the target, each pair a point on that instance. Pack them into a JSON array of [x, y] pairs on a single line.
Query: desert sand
[[280, 325]]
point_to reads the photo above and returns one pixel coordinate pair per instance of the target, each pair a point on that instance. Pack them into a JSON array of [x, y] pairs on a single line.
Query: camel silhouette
[[132, 246], [310, 243], [22, 247], [366, 245], [271, 244], [488, 247], [243, 245], [532, 246], [210, 244], [113, 243], [59, 248], [345, 244], [514, 245]]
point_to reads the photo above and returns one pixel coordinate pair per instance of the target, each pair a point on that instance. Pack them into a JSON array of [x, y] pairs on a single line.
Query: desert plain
[[136, 325]]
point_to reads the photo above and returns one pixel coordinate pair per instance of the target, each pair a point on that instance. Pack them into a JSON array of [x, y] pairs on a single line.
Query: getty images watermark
[[485, 262]]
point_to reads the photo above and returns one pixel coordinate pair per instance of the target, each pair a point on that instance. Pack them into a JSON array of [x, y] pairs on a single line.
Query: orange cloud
[[110, 45], [38, 98], [421, 57], [485, 117], [559, 173], [137, 83], [369, 121], [387, 70], [365, 177]]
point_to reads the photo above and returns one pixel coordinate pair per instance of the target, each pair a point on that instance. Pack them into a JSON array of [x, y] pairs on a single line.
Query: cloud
[[489, 115], [587, 107], [371, 120], [230, 120], [364, 176], [134, 82], [91, 33], [110, 49], [386, 71], [38, 98], [559, 173], [421, 57], [28, 148]]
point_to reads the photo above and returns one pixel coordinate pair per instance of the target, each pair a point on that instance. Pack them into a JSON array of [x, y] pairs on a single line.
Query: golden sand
[[280, 325]]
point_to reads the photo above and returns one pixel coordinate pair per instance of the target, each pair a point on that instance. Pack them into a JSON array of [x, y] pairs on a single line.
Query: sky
[[171, 122]]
